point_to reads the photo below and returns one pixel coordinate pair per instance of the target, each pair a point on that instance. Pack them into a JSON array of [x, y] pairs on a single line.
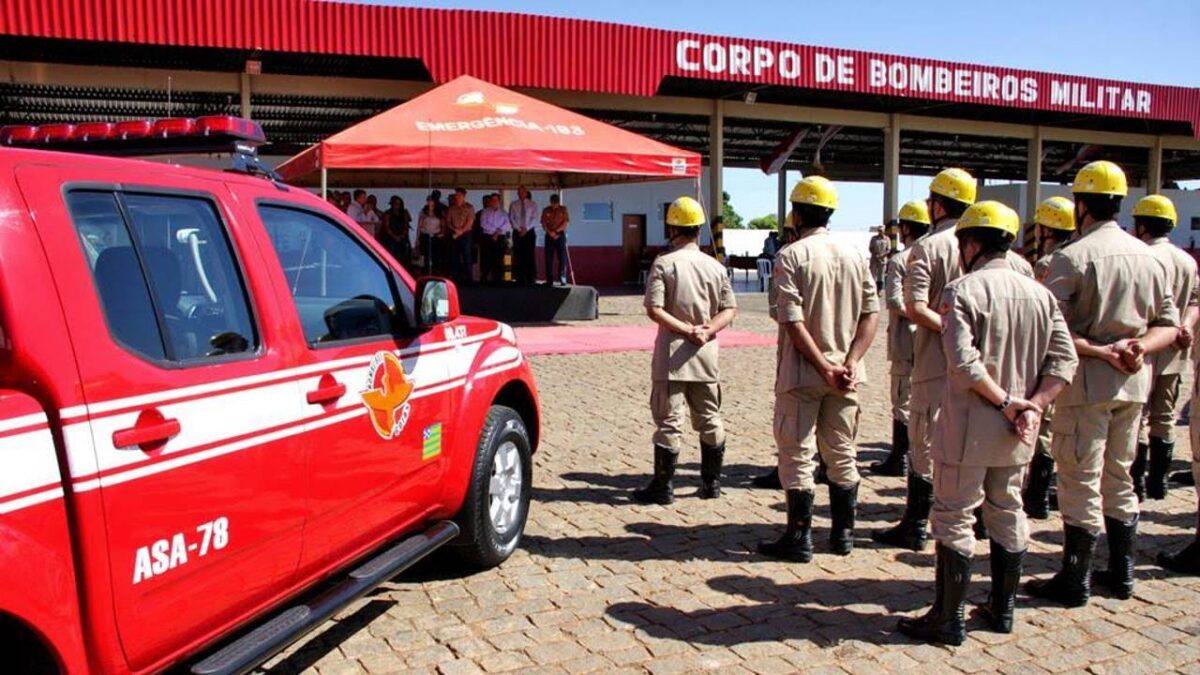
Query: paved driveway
[[601, 584]]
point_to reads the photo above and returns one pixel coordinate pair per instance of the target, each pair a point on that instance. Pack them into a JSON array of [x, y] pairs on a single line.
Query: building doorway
[[633, 241]]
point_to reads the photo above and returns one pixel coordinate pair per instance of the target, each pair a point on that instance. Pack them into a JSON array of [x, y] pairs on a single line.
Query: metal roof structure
[[61, 53]]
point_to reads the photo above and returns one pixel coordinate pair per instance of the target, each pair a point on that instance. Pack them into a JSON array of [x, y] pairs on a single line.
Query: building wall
[[596, 247]]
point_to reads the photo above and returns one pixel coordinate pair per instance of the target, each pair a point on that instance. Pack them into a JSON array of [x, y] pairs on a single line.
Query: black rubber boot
[[711, 459], [843, 503], [980, 527], [768, 481], [661, 489], [896, 463], [947, 626], [1161, 452], [1184, 478], [1002, 601], [1037, 491], [1072, 586], [910, 531], [796, 542], [1137, 471], [1118, 578], [1187, 561]]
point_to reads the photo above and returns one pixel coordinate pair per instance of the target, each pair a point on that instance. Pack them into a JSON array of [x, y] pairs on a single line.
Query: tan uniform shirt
[[1042, 266], [900, 329], [1110, 286], [692, 287], [998, 323], [460, 218], [932, 264], [1181, 270], [828, 287], [555, 219]]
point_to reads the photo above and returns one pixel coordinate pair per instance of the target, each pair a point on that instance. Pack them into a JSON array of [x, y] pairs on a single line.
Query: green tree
[[767, 222], [731, 217]]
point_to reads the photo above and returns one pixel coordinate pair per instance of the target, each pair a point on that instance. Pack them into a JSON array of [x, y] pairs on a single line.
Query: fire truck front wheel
[[493, 516]]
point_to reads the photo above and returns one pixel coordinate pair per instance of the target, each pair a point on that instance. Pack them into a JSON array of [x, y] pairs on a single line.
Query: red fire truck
[[225, 411]]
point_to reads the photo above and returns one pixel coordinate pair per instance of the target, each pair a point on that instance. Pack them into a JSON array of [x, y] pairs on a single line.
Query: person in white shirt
[[362, 214], [429, 236], [523, 216], [495, 226]]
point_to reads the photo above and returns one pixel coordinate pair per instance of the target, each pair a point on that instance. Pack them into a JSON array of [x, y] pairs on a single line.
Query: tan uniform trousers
[[1094, 446], [1158, 416], [958, 490], [670, 400], [1194, 429], [924, 409], [1042, 446], [816, 419], [901, 393]]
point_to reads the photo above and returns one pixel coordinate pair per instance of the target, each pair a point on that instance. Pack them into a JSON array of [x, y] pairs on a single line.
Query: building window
[[1195, 223], [598, 212]]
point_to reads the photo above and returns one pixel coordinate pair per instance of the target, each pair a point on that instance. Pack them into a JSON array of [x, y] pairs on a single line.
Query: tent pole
[[324, 183]]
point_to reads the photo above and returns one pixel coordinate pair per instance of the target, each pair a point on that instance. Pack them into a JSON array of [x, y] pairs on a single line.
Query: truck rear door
[[191, 412]]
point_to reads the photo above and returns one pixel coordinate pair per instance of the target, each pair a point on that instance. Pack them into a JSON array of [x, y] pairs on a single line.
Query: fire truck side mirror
[[439, 301]]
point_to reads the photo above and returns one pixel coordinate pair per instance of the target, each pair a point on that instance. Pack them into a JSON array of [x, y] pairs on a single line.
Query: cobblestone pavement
[[601, 584]]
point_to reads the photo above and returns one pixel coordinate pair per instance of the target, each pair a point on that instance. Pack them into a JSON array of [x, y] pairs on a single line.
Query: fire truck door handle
[[147, 434], [326, 395]]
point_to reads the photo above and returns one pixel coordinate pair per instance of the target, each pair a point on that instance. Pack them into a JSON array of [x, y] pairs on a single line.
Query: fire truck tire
[[493, 516], [22, 650]]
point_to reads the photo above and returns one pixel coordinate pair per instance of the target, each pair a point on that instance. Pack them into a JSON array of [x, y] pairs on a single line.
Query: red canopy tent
[[470, 133]]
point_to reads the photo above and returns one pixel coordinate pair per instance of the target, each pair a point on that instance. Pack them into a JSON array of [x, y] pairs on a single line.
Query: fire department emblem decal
[[386, 395]]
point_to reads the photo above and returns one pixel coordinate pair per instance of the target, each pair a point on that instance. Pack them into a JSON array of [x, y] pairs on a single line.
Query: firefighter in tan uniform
[[689, 296], [913, 224], [1009, 353], [932, 264], [1187, 559], [1153, 219], [769, 479], [1055, 222], [829, 310], [1116, 298]]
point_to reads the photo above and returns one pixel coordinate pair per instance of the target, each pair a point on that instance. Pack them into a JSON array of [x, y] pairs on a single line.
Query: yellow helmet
[[1155, 206], [990, 214], [1056, 213], [815, 190], [685, 212], [955, 184], [1100, 178], [915, 211]]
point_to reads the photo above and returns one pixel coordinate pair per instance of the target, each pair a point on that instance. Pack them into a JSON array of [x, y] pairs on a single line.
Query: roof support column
[[244, 91], [891, 168], [1154, 167], [716, 161], [782, 207], [1033, 193]]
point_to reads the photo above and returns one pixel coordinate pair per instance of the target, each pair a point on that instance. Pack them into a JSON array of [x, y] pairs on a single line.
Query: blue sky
[[1153, 41]]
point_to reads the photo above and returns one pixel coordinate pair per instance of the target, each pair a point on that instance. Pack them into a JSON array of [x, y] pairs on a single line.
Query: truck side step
[[272, 636]]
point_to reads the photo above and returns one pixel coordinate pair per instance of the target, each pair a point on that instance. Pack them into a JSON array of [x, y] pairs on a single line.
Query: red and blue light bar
[[211, 133]]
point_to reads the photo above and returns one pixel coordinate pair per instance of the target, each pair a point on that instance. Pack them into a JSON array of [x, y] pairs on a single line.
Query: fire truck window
[[119, 280], [168, 271], [341, 291]]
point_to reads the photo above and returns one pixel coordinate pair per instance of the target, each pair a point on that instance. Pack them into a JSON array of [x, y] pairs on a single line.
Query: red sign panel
[[535, 51]]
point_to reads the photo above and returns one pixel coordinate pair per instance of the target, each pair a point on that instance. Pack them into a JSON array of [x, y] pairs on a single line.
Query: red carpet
[[594, 340]]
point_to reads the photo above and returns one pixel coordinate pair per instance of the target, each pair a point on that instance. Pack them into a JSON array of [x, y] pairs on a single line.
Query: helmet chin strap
[[969, 266]]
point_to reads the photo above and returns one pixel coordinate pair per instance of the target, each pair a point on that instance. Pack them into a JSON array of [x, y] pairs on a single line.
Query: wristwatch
[[1005, 403]]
